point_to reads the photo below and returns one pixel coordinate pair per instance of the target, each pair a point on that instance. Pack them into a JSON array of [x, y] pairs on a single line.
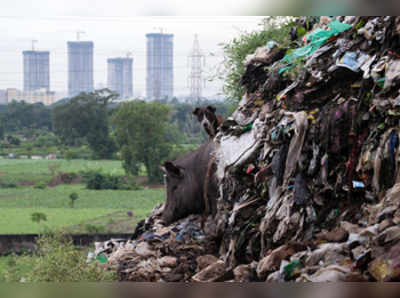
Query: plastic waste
[[292, 270], [102, 258], [353, 60], [316, 39], [358, 184], [90, 257]]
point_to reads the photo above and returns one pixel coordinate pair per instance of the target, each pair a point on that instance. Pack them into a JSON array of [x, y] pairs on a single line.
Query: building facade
[[41, 95], [80, 67], [160, 62], [36, 70], [3, 97], [119, 76]]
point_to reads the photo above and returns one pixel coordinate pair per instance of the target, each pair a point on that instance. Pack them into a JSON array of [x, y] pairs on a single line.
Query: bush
[[97, 180], [58, 260], [40, 185], [8, 184], [274, 28]]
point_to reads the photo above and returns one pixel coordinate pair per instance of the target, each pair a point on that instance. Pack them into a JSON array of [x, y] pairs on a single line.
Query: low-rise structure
[[41, 95]]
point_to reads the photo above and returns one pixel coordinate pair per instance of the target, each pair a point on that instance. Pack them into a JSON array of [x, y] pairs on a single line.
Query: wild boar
[[191, 184], [208, 119]]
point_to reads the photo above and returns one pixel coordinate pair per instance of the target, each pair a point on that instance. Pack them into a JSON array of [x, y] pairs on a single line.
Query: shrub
[[38, 217], [8, 184], [97, 180], [40, 185], [58, 260]]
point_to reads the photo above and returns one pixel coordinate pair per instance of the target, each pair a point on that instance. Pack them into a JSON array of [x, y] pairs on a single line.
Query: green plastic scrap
[[292, 269], [381, 126], [381, 82], [283, 69], [247, 127], [102, 258], [317, 38]]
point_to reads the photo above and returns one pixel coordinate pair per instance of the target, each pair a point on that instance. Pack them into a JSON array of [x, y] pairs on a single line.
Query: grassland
[[106, 210]]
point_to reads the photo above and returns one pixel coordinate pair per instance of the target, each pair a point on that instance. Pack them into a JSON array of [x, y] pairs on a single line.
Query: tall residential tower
[[80, 67], [119, 76], [36, 70], [160, 75]]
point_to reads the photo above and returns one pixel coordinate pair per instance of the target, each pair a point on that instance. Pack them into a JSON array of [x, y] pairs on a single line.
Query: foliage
[[273, 28], [40, 185], [58, 260], [37, 217], [144, 135], [68, 154], [21, 115], [180, 150], [85, 116], [97, 180], [13, 140], [188, 125], [73, 197], [45, 139]]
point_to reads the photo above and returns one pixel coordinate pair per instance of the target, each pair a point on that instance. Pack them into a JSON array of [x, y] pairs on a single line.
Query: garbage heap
[[308, 168]]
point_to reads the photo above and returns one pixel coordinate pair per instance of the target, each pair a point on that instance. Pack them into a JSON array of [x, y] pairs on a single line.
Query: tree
[[38, 217], [85, 116], [73, 197], [144, 135], [20, 115]]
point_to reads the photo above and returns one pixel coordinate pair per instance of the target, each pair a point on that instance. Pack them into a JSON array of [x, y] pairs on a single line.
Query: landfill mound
[[308, 169]]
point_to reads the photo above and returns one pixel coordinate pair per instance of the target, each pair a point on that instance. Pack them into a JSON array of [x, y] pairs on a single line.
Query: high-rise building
[[3, 97], [80, 67], [160, 74], [119, 76], [36, 70]]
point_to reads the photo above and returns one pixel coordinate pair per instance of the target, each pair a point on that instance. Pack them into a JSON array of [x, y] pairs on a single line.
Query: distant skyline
[[114, 37]]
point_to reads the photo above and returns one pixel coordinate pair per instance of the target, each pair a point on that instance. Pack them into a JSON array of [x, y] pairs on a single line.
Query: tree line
[[137, 132]]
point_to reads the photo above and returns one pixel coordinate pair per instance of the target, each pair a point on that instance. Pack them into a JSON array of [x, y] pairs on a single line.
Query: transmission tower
[[196, 62], [78, 34], [33, 44]]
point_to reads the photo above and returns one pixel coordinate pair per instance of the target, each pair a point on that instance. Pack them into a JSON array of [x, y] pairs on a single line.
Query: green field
[[17, 170], [106, 210]]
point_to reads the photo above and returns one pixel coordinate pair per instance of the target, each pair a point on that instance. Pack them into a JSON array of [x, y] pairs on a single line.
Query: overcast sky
[[116, 27]]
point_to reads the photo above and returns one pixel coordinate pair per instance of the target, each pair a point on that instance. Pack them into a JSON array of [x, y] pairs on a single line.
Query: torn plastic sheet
[[296, 144], [234, 151], [318, 37]]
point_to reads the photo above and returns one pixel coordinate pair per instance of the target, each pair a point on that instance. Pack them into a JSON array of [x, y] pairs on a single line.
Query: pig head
[[187, 189]]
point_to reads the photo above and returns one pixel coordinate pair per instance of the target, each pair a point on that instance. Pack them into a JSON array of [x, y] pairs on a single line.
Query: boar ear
[[211, 108], [173, 170], [196, 111]]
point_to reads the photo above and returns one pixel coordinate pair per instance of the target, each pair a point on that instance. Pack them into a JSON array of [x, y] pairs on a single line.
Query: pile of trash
[[308, 168]]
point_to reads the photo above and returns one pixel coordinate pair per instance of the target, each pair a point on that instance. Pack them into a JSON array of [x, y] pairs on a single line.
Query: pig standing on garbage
[[191, 186]]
